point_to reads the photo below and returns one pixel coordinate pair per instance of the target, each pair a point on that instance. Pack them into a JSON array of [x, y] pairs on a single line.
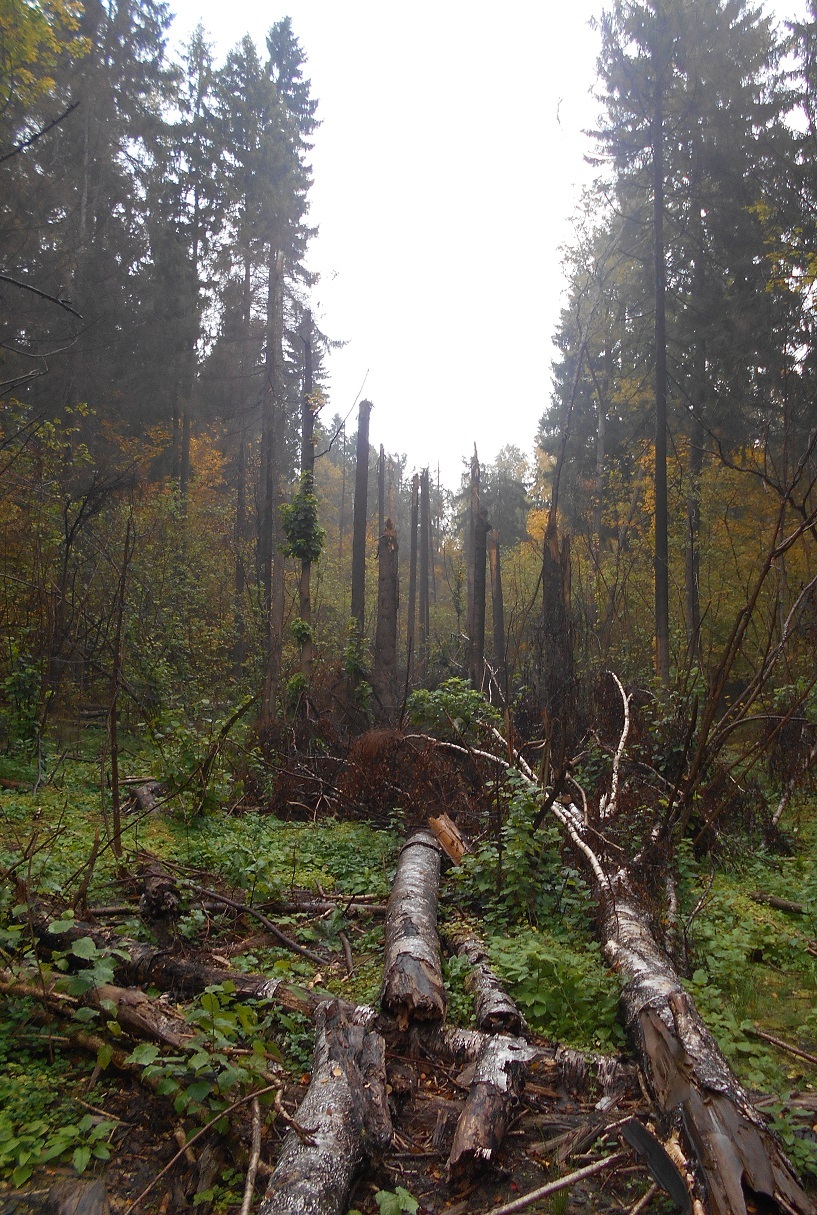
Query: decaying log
[[145, 797], [144, 965], [687, 1073], [140, 1016], [772, 900], [77, 1197], [497, 1082], [412, 975], [494, 1010], [343, 1119]]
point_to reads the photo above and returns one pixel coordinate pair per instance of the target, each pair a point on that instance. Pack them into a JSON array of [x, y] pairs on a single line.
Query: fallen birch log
[[688, 1075], [342, 1120], [413, 987], [494, 1010], [499, 1075]]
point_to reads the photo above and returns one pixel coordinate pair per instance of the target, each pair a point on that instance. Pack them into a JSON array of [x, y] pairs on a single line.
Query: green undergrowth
[[746, 964], [535, 912], [749, 969]]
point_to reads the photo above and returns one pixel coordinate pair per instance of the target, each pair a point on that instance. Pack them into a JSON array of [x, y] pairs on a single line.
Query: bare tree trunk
[[687, 1073], [476, 663], [240, 577], [413, 988], [273, 558], [558, 683], [473, 515], [498, 604], [360, 513], [412, 590], [499, 1076], [381, 491], [660, 355], [308, 487], [425, 547], [384, 674]]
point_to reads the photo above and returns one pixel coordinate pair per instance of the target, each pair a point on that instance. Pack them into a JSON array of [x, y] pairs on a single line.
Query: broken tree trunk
[[687, 1073], [411, 617], [384, 670], [343, 1119], [494, 1010], [413, 987], [499, 1075], [424, 625], [359, 527]]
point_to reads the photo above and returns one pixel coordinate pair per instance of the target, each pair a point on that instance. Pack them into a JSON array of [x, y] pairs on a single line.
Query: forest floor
[[65, 1108]]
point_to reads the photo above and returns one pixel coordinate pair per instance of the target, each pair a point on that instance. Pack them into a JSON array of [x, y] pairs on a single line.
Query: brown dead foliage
[[385, 771]]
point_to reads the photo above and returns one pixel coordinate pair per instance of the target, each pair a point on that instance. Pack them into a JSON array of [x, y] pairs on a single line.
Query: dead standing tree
[[478, 528], [384, 671], [359, 546]]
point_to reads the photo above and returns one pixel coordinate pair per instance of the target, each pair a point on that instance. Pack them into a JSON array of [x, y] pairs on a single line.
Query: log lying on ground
[[140, 1016], [143, 965], [413, 987], [494, 1010], [343, 1119], [498, 1079], [687, 1073]]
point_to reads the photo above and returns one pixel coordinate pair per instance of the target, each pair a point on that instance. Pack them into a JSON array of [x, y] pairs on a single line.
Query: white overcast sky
[[447, 165]]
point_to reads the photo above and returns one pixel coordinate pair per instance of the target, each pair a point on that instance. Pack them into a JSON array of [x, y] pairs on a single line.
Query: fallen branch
[[553, 1187], [137, 1202], [787, 1046], [255, 1156]]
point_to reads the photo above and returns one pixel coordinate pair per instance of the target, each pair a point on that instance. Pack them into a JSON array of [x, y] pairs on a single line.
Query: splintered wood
[[448, 837]]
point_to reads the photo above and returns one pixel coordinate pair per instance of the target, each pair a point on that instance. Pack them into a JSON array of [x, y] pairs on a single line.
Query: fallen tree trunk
[[494, 1010], [687, 1073], [140, 1016], [737, 1155], [413, 987], [343, 1119], [499, 1075]]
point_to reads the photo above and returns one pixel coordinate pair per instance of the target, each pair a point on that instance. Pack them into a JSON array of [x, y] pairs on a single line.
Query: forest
[[369, 844]]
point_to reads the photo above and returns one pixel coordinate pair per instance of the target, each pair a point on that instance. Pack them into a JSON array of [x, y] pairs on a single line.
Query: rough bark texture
[[140, 1016], [687, 1073], [498, 1080], [494, 1010], [343, 1119], [412, 976]]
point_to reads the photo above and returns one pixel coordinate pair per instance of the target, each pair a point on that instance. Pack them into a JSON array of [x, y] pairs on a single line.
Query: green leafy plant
[[454, 711], [394, 1202], [564, 992], [304, 535]]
